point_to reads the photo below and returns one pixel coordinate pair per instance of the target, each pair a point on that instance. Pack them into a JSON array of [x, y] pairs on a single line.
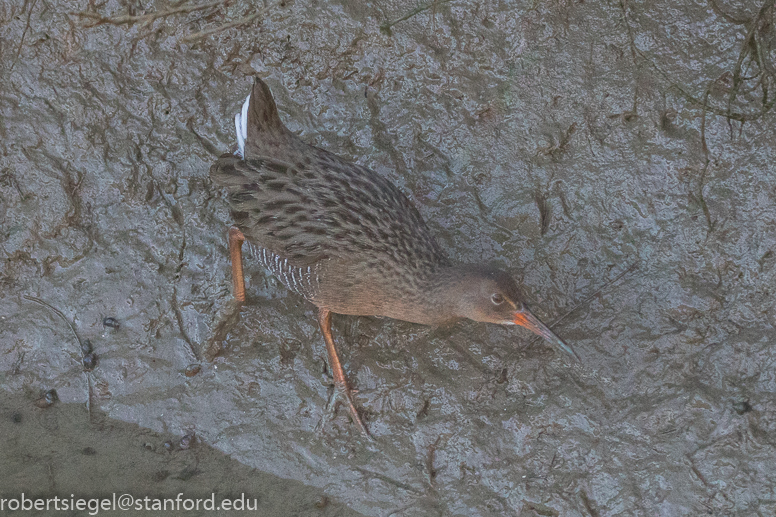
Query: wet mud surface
[[565, 142], [62, 451]]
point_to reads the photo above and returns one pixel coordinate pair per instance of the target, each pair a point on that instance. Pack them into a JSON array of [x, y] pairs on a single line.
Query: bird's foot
[[342, 394]]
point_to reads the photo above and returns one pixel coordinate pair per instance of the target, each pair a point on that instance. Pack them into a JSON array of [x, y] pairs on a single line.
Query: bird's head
[[492, 296]]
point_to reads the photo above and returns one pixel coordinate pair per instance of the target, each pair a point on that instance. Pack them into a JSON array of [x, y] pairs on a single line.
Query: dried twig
[[630, 268], [146, 19], [236, 23], [80, 346], [58, 313], [21, 40], [750, 47], [385, 27], [706, 161]]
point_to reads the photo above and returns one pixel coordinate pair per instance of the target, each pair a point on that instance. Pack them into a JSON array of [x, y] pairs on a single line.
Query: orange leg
[[236, 239], [340, 382]]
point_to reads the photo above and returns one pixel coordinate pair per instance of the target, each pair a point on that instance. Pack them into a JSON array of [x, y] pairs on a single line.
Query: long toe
[[346, 393], [341, 394]]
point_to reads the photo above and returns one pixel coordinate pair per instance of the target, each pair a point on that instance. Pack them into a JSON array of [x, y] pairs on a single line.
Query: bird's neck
[[444, 296], [435, 297]]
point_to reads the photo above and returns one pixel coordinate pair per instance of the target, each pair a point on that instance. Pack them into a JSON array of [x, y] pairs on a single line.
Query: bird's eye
[[497, 299]]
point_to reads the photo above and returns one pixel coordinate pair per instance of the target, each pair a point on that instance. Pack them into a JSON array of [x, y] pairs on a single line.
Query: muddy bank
[[562, 142]]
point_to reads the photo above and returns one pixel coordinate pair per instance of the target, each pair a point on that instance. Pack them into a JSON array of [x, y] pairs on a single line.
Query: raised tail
[[258, 122]]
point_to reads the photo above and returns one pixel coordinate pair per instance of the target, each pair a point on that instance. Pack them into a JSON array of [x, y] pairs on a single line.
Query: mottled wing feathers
[[319, 206], [265, 203], [305, 204]]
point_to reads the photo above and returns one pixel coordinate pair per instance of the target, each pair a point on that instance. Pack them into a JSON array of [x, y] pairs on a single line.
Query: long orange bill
[[525, 319]]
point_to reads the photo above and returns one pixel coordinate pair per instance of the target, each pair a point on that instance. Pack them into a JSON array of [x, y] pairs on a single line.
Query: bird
[[347, 239]]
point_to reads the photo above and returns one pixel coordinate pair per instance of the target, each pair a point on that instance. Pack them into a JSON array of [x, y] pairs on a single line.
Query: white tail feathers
[[241, 127]]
